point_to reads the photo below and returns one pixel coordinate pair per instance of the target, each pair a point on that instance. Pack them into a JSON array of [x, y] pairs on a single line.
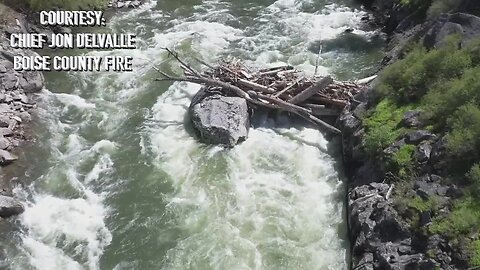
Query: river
[[116, 179]]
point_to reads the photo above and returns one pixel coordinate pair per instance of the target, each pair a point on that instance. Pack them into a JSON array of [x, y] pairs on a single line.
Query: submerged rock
[[10, 207], [220, 119]]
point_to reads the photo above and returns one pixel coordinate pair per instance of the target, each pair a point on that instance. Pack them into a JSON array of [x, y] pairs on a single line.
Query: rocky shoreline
[[381, 233], [16, 104]]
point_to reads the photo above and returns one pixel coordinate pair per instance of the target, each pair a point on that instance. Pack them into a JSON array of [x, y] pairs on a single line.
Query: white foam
[[270, 200], [78, 222], [44, 257], [74, 100]]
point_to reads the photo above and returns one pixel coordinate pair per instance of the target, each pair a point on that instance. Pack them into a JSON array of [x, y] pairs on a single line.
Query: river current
[[115, 178]]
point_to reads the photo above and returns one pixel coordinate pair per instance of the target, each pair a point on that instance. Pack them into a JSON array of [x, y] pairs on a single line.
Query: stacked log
[[281, 88]]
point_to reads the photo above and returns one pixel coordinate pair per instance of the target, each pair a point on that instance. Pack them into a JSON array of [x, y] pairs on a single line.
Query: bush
[[410, 78], [446, 97], [445, 84], [475, 253], [67, 4], [422, 205], [474, 177], [441, 6], [401, 161], [463, 220], [381, 126], [464, 136]]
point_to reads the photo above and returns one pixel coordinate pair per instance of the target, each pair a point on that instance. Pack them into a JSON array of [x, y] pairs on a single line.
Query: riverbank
[[408, 200], [17, 102]]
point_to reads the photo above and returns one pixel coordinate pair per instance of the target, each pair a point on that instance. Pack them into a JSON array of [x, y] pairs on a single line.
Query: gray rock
[[411, 119], [4, 121], [4, 143], [25, 116], [417, 136], [3, 69], [9, 81], [454, 192], [221, 120], [135, 4], [424, 189], [64, 30], [422, 152], [394, 147], [435, 178], [368, 172], [6, 132], [32, 81], [6, 157], [10, 207], [467, 26], [360, 110], [4, 108], [439, 149], [425, 218], [427, 189], [349, 123]]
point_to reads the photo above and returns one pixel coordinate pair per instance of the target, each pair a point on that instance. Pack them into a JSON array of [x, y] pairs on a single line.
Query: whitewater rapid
[[118, 180]]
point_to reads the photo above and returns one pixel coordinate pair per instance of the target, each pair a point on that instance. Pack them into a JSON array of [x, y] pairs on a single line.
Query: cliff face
[[391, 213]]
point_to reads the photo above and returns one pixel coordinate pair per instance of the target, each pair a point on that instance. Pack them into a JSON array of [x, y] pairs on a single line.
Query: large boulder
[[10, 207], [220, 119], [467, 26]]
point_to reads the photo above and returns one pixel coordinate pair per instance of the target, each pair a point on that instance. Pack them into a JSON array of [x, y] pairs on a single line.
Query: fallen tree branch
[[312, 90], [279, 88], [389, 192]]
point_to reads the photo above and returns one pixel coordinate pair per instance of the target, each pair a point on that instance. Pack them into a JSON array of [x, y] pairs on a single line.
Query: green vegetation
[[422, 205], [474, 177], [475, 256], [445, 84], [438, 7], [402, 161], [431, 8], [382, 126], [410, 78], [67, 4], [463, 220]]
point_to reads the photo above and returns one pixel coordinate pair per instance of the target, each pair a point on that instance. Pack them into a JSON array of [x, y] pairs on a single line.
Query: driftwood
[[389, 192], [312, 90], [279, 88]]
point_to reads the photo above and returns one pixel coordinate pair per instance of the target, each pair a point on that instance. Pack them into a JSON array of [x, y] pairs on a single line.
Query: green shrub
[[464, 219], [402, 160], [67, 4], [422, 205], [446, 97], [445, 83], [475, 253], [464, 135], [474, 177], [441, 6], [410, 78], [381, 126]]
